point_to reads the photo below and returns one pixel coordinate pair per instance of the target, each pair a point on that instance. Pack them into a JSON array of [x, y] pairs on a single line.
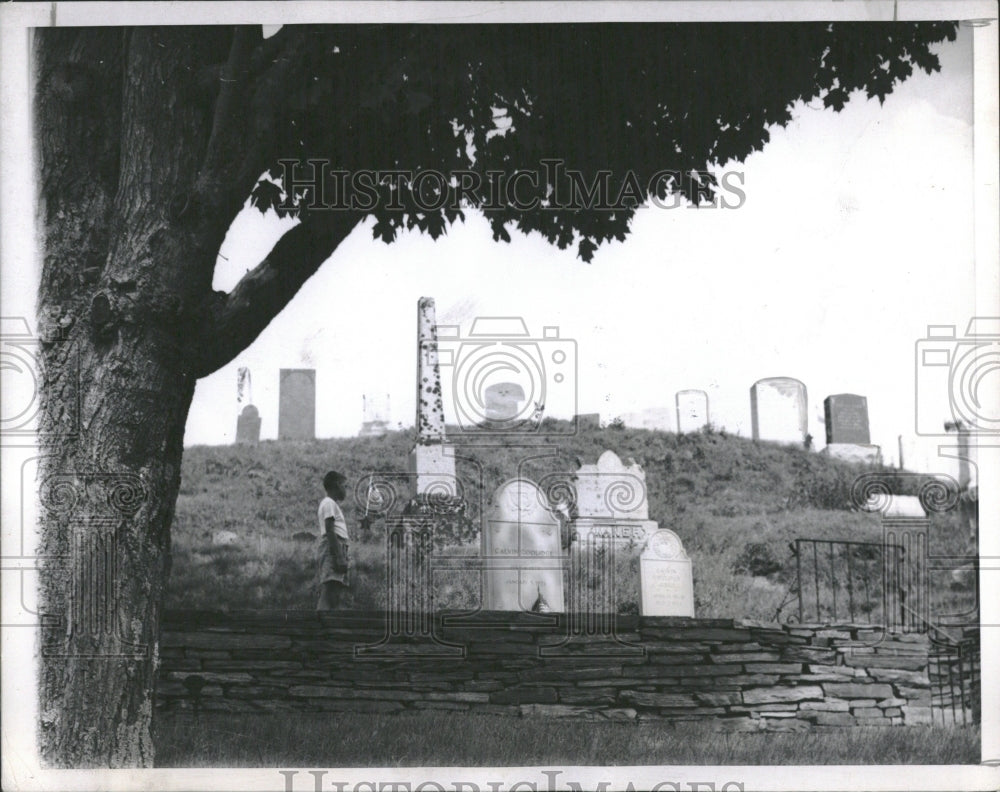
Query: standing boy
[[333, 544]]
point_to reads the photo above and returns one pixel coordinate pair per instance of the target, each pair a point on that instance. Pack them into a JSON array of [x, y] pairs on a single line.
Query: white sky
[[856, 233]]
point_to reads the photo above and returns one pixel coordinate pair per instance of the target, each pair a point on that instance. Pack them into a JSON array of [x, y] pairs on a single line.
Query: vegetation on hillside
[[736, 504]]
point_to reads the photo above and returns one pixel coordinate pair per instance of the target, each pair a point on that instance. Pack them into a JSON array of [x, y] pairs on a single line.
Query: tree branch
[[231, 322], [232, 89]]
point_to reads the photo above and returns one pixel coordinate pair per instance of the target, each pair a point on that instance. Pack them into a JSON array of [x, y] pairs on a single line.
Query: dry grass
[[474, 740]]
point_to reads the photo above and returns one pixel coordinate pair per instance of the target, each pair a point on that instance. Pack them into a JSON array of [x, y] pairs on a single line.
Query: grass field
[[736, 504], [468, 740]]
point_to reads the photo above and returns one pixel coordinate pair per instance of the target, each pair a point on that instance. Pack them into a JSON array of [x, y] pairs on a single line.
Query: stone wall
[[743, 675]]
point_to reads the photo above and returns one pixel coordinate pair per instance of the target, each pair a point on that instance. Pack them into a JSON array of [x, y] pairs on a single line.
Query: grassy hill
[[736, 505]]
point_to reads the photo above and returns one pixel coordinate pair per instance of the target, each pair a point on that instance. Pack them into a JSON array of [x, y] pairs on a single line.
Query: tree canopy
[[151, 140]]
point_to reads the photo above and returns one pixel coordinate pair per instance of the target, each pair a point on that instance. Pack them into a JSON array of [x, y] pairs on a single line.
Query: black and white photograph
[[500, 396]]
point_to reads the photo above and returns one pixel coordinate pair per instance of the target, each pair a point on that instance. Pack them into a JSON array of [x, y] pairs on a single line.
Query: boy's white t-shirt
[[328, 508]]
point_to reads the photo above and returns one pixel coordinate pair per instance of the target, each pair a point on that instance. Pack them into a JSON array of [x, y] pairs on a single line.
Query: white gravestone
[[778, 410], [666, 587], [611, 501], [522, 551], [692, 410]]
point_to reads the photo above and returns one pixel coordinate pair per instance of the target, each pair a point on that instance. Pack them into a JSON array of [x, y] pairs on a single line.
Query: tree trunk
[[143, 165], [107, 502], [123, 271]]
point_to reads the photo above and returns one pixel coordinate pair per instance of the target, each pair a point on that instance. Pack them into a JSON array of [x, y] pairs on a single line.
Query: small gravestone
[[666, 587], [375, 415], [846, 416], [248, 426], [225, 538], [611, 501], [297, 404], [847, 434], [587, 421], [522, 551], [503, 402], [692, 410], [778, 410]]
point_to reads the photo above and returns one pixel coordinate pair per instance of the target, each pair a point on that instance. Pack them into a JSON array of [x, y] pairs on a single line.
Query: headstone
[[854, 452], [503, 401], [666, 587], [375, 416], [297, 404], [692, 410], [226, 538], [778, 410], [611, 501], [432, 461], [588, 421], [846, 416], [521, 551], [904, 506], [967, 475], [248, 426], [659, 419]]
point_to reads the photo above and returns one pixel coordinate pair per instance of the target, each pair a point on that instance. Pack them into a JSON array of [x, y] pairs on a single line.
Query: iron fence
[[861, 582]]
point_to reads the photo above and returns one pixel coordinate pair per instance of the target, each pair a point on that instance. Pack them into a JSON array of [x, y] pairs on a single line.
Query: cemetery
[[574, 581]]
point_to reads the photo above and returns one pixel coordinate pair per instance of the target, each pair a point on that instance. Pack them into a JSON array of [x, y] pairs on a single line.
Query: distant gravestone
[[248, 426], [503, 401], [225, 538], [375, 415], [846, 416], [692, 410], [522, 552], [778, 410], [297, 404], [588, 421], [666, 586], [611, 501], [657, 419]]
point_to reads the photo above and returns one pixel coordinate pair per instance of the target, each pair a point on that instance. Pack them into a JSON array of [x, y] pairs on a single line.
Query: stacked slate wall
[[741, 675]]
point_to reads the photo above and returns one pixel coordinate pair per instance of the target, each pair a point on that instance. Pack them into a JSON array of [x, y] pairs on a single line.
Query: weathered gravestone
[[503, 402], [847, 434], [375, 415], [432, 461], [521, 551], [297, 404], [778, 410], [611, 501], [692, 410], [846, 416], [248, 426], [666, 587]]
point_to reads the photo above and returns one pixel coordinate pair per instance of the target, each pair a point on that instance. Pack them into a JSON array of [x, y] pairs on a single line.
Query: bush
[[757, 559]]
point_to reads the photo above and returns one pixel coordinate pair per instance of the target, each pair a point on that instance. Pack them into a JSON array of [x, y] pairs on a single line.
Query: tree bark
[[139, 187]]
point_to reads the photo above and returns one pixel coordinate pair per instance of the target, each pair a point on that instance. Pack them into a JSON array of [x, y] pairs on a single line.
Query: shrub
[[757, 559]]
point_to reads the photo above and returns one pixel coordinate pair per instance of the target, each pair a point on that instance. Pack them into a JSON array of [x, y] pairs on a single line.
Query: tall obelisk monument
[[432, 460]]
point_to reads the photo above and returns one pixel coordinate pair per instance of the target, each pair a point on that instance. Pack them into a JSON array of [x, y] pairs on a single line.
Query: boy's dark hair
[[333, 480]]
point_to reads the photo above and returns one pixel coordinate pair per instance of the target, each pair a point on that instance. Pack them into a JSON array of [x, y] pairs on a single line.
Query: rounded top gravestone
[[522, 550]]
